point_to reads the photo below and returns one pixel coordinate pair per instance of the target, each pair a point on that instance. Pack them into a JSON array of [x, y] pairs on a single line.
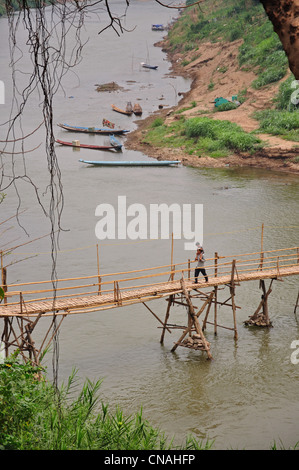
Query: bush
[[35, 416], [226, 106], [157, 122], [278, 122], [224, 134], [283, 100], [271, 75]]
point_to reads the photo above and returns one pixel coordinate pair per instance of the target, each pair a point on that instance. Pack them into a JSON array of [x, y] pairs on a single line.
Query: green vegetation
[[35, 416], [202, 136], [261, 49], [281, 123], [283, 120]]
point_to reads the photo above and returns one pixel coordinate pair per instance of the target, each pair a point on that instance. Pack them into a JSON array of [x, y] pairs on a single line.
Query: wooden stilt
[[297, 302], [172, 266], [98, 265], [193, 323], [170, 299], [262, 248], [156, 316], [232, 293], [261, 318], [210, 299], [215, 294]]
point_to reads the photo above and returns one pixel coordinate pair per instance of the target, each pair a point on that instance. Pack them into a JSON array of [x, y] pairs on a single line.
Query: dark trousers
[[202, 271]]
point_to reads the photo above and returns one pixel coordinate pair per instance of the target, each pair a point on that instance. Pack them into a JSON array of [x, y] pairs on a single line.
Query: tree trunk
[[284, 15]]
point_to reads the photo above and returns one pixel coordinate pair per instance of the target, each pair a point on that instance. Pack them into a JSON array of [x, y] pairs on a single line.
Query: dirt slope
[[217, 63]]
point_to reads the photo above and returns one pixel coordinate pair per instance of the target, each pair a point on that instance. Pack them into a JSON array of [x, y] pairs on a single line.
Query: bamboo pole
[[215, 294], [262, 246], [156, 316], [265, 301], [98, 266], [232, 292], [171, 260], [170, 299], [208, 310], [297, 302]]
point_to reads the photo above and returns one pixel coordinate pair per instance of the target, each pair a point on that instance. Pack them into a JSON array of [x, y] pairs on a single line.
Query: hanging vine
[[48, 28], [52, 55]]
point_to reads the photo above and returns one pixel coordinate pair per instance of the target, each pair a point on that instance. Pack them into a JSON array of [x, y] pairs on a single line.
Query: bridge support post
[[170, 300], [232, 293], [261, 318], [194, 323]]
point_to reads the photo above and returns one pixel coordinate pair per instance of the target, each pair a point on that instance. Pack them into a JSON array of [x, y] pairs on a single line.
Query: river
[[246, 398]]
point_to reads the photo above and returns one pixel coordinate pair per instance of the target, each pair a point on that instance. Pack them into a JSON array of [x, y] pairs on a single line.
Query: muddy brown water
[[247, 396]]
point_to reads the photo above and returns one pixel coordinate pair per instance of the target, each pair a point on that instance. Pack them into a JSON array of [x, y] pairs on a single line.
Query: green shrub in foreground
[[35, 416]]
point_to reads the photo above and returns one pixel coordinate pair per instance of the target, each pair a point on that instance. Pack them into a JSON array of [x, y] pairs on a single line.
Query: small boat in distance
[[157, 27], [147, 66], [128, 111], [137, 110], [115, 145], [93, 130], [132, 163]]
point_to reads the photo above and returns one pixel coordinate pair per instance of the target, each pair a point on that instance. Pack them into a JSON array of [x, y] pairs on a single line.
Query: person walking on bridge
[[200, 263]]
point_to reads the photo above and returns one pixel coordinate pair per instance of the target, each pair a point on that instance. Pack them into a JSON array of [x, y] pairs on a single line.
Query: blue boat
[[93, 130], [132, 163], [157, 27]]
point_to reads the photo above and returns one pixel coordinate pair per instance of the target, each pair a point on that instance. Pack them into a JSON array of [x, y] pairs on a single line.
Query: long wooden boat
[[128, 111], [114, 144], [93, 130], [147, 66], [132, 163]]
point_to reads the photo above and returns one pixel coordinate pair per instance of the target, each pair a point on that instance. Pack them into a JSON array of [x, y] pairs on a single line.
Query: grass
[[281, 123], [283, 119], [261, 50], [35, 416], [203, 136]]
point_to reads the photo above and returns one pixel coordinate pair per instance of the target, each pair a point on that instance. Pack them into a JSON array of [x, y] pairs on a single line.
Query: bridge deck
[[103, 301]]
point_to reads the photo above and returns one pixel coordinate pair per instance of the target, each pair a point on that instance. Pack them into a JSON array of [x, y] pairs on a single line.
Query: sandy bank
[[217, 63]]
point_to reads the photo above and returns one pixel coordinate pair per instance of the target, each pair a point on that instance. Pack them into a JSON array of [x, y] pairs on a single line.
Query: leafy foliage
[[35, 416]]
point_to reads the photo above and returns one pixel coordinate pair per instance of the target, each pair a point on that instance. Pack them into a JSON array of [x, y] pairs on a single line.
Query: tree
[[284, 15]]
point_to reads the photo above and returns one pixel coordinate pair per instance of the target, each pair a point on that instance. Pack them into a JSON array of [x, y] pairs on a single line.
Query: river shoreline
[[278, 154]]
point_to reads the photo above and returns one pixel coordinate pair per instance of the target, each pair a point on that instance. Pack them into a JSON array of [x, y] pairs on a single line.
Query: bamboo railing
[[121, 288]]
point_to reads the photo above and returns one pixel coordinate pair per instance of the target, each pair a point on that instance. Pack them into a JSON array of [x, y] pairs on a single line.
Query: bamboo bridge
[[25, 304]]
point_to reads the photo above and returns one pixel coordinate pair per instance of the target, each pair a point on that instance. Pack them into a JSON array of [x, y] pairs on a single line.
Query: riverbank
[[216, 72]]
